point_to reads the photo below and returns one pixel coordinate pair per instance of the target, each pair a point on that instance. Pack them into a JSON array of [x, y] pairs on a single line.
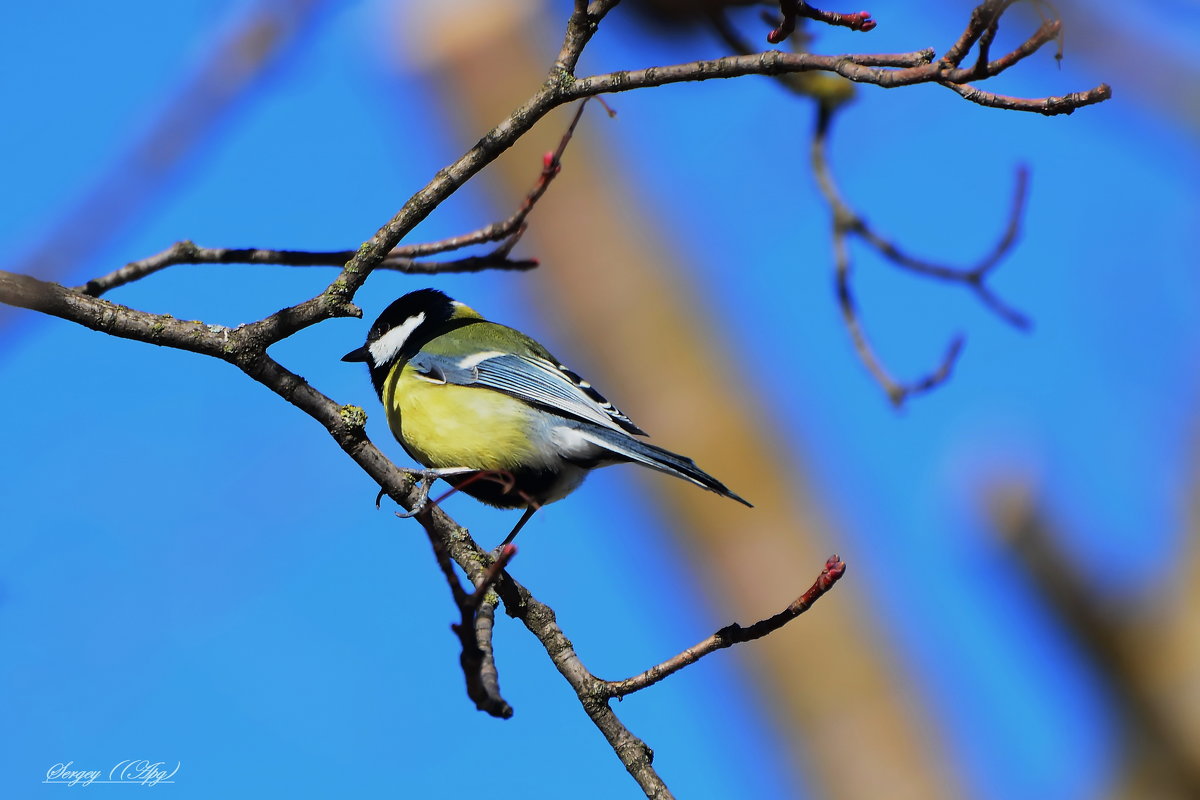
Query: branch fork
[[246, 346]]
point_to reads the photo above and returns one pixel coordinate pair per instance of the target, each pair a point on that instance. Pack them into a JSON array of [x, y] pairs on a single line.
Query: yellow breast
[[444, 425]]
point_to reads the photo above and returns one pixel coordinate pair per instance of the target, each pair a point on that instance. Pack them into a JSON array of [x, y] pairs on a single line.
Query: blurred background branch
[[881, 729], [240, 60], [1145, 649]]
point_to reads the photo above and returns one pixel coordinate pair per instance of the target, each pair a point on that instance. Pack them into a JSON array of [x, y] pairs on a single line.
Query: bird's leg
[[427, 477], [520, 524]]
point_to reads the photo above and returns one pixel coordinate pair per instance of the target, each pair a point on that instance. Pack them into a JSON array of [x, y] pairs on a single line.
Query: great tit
[[464, 395]]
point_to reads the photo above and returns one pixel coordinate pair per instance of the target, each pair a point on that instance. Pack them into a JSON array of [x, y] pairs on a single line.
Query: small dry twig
[[187, 252], [246, 346], [730, 635], [403, 258], [847, 222], [474, 629], [791, 9]]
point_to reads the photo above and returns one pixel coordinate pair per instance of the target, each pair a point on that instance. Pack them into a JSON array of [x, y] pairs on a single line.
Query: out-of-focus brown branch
[[730, 635], [235, 64], [887, 70], [402, 258], [1109, 632], [1102, 36], [246, 346]]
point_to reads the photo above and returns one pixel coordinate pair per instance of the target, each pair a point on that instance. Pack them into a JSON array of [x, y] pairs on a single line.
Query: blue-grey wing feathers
[[592, 426], [528, 378], [657, 458]]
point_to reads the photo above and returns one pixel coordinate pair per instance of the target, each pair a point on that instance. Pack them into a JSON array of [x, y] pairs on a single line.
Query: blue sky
[[193, 572]]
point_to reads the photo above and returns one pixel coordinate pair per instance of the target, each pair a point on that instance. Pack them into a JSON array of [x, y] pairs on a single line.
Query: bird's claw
[[425, 480]]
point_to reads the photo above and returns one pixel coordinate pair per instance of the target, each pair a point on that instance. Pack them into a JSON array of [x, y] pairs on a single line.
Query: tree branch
[[25, 291], [187, 252], [886, 71], [401, 258], [560, 87], [732, 634], [1047, 106], [246, 346], [973, 277], [847, 222], [541, 621], [474, 629]]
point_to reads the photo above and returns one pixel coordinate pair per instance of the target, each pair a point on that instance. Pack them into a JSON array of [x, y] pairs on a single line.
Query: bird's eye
[[388, 346]]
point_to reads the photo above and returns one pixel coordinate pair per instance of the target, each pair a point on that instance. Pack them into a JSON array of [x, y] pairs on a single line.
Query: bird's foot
[[425, 480]]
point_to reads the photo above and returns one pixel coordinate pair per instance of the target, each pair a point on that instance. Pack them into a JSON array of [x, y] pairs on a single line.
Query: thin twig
[[984, 16], [187, 252], [791, 9], [1047, 32], [800, 83], [401, 259], [511, 229], [974, 277], [885, 70], [985, 47], [897, 392], [246, 346], [889, 71], [476, 659], [847, 222], [730, 635], [1047, 106]]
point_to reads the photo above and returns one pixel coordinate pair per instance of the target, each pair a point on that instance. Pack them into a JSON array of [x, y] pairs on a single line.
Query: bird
[[465, 396]]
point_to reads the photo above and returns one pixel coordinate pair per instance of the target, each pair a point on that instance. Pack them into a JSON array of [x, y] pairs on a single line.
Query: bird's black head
[[405, 327]]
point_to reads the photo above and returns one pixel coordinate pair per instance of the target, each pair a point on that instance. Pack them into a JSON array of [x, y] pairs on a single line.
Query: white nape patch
[[475, 359], [385, 348]]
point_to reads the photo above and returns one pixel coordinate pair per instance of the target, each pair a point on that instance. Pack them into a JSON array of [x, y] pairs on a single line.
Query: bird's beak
[[358, 354]]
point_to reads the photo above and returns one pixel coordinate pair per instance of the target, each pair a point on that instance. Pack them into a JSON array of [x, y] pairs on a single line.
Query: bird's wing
[[526, 377]]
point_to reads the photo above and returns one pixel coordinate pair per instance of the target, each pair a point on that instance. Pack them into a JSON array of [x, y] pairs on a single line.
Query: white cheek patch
[[475, 359], [385, 348]]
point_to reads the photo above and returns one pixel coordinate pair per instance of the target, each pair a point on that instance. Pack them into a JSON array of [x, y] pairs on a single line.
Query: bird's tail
[[626, 446]]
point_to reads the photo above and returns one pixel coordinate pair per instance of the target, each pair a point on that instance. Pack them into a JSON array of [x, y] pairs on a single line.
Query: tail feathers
[[656, 458]]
